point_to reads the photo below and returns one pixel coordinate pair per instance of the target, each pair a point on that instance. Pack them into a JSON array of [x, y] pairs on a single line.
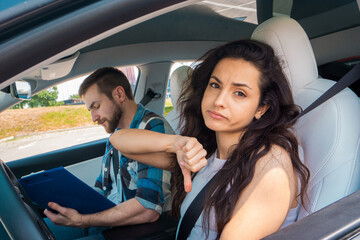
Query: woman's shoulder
[[276, 159]]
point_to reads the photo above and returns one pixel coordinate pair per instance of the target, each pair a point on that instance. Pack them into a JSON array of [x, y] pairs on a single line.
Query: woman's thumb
[[187, 179]]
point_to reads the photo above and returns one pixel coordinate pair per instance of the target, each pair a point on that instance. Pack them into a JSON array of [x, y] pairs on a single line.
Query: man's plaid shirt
[[149, 185]]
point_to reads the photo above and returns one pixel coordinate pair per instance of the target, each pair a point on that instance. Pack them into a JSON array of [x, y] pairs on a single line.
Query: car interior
[[177, 80], [317, 44], [326, 134]]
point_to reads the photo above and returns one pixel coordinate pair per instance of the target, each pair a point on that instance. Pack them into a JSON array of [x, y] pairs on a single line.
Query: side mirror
[[21, 89]]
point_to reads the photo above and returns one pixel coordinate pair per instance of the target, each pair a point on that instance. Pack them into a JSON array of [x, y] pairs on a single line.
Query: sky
[[69, 88]]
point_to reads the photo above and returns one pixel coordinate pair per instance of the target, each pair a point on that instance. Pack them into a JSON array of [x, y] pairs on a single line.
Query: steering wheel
[[17, 214]]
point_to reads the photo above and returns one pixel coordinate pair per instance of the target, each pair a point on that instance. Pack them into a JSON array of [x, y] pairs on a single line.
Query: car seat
[[177, 79], [329, 134]]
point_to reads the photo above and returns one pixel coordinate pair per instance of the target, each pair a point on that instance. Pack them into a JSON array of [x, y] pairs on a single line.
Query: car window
[[240, 10], [5, 4], [70, 88], [17, 16], [337, 69], [339, 15], [54, 119]]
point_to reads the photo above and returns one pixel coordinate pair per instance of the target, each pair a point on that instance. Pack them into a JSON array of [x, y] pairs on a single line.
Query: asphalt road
[[49, 141]]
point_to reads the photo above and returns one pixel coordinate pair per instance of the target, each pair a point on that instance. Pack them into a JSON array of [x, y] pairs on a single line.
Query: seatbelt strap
[[116, 162], [193, 212], [196, 207], [144, 124], [150, 94], [115, 155], [349, 78]]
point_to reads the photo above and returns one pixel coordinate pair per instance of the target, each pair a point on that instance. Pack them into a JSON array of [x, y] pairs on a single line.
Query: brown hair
[[107, 79], [273, 128]]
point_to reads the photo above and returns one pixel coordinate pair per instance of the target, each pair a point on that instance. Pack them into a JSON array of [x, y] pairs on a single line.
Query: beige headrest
[[292, 46], [177, 79]]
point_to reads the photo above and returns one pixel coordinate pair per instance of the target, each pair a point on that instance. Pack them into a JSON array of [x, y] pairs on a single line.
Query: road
[[49, 141]]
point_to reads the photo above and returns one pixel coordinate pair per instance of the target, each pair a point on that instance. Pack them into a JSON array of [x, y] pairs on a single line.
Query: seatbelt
[[116, 162], [150, 94], [349, 78], [144, 124], [193, 212]]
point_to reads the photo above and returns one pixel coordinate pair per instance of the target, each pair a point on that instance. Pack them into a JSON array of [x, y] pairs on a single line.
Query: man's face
[[104, 111]]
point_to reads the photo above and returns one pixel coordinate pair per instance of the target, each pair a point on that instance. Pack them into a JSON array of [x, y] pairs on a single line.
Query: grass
[[167, 110], [168, 106], [21, 122], [67, 118]]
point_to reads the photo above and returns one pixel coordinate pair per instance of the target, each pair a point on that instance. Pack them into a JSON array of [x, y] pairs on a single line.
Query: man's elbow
[[150, 215]]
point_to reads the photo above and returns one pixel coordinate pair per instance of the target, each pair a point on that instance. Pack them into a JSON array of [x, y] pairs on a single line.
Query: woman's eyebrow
[[234, 83], [216, 78], [241, 85]]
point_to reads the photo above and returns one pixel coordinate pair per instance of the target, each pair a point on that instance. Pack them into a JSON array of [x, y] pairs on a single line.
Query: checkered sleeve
[[153, 185], [98, 185]]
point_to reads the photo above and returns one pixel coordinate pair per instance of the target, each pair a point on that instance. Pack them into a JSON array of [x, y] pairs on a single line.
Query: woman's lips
[[216, 115]]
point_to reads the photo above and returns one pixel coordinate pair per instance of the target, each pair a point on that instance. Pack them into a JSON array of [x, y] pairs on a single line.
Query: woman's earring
[[261, 112]]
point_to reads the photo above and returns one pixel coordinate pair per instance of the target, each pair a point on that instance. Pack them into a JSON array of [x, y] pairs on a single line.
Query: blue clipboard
[[60, 186]]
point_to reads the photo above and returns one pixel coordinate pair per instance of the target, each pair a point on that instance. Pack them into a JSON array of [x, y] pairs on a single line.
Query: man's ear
[[119, 94], [261, 111]]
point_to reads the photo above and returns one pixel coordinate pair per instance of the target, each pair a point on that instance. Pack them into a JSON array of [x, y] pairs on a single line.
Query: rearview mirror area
[[21, 90]]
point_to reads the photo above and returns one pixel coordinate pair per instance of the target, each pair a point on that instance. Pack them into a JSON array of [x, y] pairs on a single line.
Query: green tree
[[20, 105], [76, 96], [45, 98]]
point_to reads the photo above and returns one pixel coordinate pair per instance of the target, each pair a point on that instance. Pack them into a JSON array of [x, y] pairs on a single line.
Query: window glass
[[337, 69], [339, 15], [242, 10], [5, 4], [132, 73], [54, 119]]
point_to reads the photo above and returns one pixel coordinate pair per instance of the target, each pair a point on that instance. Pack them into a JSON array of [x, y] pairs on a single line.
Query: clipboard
[[60, 186]]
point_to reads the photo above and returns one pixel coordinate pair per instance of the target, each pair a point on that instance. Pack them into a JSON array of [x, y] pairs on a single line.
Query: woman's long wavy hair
[[273, 128]]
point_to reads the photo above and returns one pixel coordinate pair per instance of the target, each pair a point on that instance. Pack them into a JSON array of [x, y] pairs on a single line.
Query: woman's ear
[[261, 111], [119, 94]]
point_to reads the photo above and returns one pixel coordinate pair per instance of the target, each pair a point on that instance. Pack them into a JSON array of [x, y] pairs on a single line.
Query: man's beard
[[114, 120]]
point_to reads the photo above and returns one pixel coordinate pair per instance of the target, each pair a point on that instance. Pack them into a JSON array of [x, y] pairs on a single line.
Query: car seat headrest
[[177, 80], [292, 46]]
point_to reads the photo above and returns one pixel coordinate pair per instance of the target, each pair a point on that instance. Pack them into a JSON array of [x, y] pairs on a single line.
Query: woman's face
[[232, 96]]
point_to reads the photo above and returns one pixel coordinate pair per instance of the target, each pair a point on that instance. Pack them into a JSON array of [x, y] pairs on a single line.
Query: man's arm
[[148, 147], [127, 213], [157, 149]]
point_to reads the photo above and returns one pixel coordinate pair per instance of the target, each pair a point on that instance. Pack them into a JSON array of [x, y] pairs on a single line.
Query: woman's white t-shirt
[[200, 180]]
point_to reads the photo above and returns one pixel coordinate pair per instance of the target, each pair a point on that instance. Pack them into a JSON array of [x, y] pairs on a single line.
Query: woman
[[237, 111]]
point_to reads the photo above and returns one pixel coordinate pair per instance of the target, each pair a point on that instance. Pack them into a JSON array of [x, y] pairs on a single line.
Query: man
[[140, 191]]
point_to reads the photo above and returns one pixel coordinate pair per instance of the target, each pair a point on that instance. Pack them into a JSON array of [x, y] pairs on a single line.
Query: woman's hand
[[190, 155]]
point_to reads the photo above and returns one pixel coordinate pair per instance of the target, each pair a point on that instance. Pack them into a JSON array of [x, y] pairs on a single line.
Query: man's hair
[[107, 79]]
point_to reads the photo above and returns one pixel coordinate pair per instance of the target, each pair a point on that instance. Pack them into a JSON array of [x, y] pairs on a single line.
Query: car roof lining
[[78, 29], [192, 23], [206, 26]]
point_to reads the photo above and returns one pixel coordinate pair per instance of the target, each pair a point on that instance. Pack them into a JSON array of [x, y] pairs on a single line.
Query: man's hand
[[190, 155], [65, 216]]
